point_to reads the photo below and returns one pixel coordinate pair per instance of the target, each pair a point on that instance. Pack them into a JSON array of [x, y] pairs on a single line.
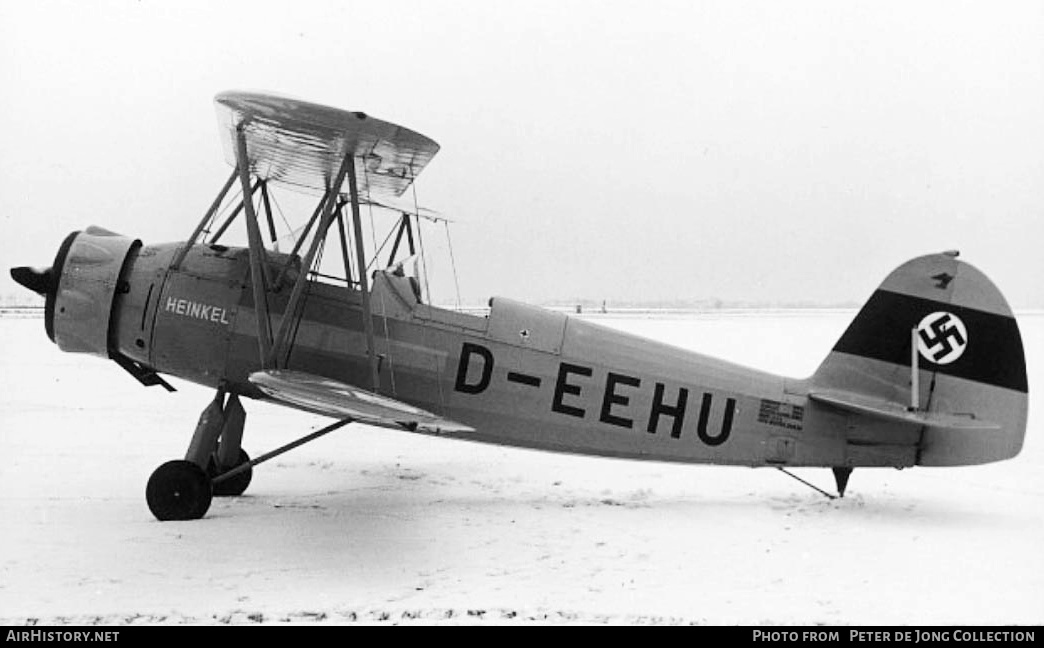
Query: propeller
[[39, 281]]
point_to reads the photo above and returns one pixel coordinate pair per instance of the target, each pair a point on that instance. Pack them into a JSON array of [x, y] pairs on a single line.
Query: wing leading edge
[[331, 398]]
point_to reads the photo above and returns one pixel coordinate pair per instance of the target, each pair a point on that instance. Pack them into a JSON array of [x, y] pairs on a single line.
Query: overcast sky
[[760, 151]]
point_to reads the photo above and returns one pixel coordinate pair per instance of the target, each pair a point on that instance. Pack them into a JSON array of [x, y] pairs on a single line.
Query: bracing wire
[[350, 242], [453, 262], [377, 252], [316, 263], [289, 230], [384, 308], [264, 256], [220, 213], [420, 243], [424, 267], [309, 275]]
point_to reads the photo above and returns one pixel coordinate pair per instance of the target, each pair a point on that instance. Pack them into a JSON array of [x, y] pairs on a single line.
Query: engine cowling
[[88, 272]]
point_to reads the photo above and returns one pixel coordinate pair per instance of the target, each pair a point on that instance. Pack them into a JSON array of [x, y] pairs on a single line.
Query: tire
[[235, 486], [178, 490]]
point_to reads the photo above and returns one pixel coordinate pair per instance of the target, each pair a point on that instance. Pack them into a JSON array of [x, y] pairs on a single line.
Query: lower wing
[[336, 399]]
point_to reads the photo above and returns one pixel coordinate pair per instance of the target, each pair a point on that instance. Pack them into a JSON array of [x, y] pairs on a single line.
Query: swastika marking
[[941, 337]]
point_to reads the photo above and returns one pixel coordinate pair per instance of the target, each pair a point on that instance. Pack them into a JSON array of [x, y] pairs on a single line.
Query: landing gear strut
[[215, 464], [183, 489]]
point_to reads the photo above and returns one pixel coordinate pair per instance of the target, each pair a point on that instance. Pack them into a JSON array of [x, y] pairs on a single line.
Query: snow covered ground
[[381, 526]]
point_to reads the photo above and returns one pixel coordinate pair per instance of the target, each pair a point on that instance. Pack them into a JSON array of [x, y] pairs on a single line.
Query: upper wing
[[303, 144], [332, 398]]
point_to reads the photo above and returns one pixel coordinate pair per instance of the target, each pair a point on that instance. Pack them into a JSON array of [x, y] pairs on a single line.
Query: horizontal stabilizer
[[336, 399], [893, 411]]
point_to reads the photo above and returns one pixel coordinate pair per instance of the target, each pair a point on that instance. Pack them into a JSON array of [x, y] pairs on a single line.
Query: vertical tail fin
[[971, 364]]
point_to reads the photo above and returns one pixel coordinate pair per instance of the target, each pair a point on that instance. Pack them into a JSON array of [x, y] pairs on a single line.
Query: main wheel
[[237, 484], [178, 490]]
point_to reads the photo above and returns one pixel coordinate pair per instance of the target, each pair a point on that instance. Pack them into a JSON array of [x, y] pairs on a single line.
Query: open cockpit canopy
[[302, 144]]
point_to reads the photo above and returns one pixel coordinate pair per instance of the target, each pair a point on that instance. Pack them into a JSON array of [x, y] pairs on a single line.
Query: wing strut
[[405, 227], [258, 262], [363, 279], [271, 222], [304, 234], [330, 197], [203, 221], [235, 212], [342, 234]]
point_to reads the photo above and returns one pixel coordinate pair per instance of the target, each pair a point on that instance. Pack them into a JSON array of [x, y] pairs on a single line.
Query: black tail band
[[993, 352]]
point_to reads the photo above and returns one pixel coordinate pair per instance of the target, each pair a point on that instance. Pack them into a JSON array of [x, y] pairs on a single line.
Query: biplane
[[931, 371]]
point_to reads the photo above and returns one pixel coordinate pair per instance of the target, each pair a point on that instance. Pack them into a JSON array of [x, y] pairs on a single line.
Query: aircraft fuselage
[[522, 376]]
